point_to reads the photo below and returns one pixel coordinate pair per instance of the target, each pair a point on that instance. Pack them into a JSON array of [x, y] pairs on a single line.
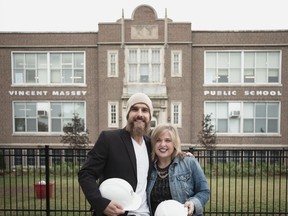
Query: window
[[62, 114], [113, 114], [36, 157], [35, 117], [176, 63], [18, 159], [261, 117], [144, 64], [176, 113], [153, 122], [112, 63], [244, 117], [48, 68], [30, 68], [270, 156], [259, 67]]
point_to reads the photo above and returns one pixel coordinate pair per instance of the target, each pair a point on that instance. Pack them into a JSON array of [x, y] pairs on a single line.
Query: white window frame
[[49, 69], [229, 68], [240, 115], [150, 64], [111, 53], [173, 112], [49, 117], [177, 73], [113, 123]]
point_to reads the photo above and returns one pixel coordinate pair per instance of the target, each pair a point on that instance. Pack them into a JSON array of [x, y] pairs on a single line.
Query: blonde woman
[[175, 175]]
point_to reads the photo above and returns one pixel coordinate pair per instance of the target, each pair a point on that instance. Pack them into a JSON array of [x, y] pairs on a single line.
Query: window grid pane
[[176, 114], [144, 65], [253, 117], [258, 67], [34, 68], [36, 117], [112, 64], [176, 63], [112, 114]]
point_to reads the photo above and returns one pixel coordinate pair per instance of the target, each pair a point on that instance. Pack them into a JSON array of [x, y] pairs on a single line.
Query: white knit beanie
[[139, 98]]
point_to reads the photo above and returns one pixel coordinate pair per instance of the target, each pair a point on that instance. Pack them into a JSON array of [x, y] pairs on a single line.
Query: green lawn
[[245, 194], [19, 193], [227, 195]]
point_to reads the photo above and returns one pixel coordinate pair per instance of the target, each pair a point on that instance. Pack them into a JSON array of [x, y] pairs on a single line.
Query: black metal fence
[[43, 181]]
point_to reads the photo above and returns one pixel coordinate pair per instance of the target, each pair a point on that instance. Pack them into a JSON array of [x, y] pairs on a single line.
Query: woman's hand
[[190, 206]]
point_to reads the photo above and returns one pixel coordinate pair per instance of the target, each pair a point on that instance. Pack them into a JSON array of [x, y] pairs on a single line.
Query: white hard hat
[[121, 191], [171, 208]]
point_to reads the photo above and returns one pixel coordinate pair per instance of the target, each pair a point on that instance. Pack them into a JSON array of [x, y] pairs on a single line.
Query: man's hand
[[190, 206], [189, 154], [113, 209]]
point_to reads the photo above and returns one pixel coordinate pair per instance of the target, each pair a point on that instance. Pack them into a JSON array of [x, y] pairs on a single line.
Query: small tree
[[207, 136], [75, 133]]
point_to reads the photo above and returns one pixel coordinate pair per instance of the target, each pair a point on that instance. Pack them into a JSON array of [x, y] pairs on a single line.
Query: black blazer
[[112, 156]]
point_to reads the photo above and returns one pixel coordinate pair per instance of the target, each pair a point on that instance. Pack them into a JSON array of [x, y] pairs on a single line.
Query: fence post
[[47, 173]]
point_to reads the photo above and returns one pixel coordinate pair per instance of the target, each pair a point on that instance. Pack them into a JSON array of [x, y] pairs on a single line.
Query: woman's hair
[[158, 131]]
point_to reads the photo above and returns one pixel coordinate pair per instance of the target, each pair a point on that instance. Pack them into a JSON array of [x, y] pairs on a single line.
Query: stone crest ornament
[[144, 32]]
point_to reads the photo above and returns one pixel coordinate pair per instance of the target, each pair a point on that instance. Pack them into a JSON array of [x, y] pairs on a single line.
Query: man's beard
[[138, 130]]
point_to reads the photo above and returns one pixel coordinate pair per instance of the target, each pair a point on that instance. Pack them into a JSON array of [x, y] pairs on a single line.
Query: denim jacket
[[187, 182]]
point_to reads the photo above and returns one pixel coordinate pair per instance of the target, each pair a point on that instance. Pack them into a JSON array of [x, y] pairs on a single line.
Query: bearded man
[[122, 153]]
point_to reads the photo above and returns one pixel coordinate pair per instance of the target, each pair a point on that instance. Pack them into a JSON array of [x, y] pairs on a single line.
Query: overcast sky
[[84, 15]]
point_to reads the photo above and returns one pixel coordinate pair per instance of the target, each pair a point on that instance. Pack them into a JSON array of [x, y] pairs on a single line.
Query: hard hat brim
[[135, 204], [109, 187], [171, 208]]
